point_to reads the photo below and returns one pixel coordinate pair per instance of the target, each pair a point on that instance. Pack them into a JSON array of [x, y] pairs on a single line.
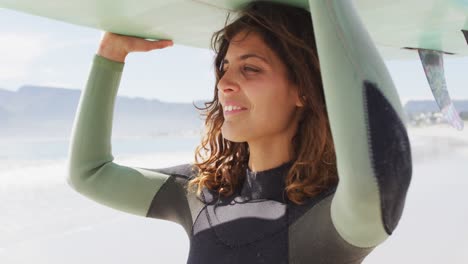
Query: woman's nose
[[227, 83]]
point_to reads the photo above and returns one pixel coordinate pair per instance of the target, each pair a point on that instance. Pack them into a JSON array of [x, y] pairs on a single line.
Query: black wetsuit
[[258, 224]]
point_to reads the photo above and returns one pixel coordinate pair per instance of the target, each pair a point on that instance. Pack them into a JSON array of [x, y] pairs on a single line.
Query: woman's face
[[255, 80]]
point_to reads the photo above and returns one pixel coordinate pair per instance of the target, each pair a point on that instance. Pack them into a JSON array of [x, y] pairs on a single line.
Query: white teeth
[[231, 107]]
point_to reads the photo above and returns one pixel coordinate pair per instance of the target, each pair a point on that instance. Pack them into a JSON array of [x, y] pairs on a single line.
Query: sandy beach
[[45, 221]]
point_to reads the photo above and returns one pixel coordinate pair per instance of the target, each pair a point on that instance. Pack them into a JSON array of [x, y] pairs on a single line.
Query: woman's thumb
[[158, 44]]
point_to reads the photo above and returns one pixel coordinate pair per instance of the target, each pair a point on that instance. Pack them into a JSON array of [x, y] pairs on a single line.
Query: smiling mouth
[[232, 111]]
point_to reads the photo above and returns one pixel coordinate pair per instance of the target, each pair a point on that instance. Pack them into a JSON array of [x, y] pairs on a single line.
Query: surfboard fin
[[433, 64]]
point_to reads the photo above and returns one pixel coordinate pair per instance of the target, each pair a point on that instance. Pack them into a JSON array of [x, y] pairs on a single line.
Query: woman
[[264, 187]]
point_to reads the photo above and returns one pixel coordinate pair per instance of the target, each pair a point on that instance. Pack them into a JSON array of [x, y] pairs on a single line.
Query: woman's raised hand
[[116, 47]]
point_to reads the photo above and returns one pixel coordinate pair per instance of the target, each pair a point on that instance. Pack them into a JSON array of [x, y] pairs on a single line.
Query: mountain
[[4, 114], [414, 107], [38, 111]]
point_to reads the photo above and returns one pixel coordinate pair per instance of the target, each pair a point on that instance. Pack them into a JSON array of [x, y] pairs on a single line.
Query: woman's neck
[[268, 154]]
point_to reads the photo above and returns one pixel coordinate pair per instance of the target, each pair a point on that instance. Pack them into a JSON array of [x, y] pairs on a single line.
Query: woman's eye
[[223, 70], [246, 68]]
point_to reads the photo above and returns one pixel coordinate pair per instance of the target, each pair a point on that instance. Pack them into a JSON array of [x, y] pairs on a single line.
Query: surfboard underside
[[397, 27]]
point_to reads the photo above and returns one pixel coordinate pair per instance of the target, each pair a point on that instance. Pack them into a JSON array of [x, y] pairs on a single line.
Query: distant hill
[[425, 106], [37, 111], [3, 115]]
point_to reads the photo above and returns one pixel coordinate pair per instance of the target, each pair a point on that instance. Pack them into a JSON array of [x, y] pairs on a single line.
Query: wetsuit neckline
[[266, 184]]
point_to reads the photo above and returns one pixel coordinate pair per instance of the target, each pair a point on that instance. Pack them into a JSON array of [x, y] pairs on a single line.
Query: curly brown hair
[[221, 163]]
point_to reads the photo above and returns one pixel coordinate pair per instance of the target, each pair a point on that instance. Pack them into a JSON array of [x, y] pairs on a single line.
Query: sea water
[[43, 220]]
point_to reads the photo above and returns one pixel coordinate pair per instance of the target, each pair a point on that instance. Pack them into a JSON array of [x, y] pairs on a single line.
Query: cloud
[[18, 52]]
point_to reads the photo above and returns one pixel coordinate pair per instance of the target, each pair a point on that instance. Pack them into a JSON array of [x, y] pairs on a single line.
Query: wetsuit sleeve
[[91, 170], [366, 119]]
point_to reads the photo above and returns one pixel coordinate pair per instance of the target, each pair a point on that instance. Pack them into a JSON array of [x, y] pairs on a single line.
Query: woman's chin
[[232, 136], [234, 139]]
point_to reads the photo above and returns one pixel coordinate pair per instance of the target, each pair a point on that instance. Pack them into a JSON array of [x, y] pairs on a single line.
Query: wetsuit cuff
[[104, 62]]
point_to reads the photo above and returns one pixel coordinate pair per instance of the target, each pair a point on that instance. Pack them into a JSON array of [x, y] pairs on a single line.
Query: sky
[[45, 52]]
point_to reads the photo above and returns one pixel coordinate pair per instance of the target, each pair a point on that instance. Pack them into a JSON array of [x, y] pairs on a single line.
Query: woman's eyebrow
[[249, 55]]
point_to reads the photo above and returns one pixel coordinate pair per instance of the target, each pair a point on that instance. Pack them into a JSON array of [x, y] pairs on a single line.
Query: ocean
[[43, 220]]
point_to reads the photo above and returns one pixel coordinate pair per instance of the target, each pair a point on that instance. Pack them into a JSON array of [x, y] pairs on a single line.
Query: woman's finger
[[140, 44]]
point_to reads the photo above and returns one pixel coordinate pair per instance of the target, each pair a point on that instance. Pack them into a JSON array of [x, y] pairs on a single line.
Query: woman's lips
[[233, 109], [233, 112]]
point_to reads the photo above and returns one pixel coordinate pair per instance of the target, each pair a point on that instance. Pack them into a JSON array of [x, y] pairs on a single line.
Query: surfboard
[[398, 29]]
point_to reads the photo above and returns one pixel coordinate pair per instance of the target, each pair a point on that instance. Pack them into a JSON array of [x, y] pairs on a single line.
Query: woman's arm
[[366, 119], [92, 171]]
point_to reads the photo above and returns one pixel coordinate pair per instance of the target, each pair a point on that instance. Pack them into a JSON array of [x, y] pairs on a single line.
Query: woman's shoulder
[[323, 199], [184, 172]]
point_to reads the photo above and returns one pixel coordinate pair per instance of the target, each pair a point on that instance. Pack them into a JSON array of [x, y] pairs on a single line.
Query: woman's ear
[[299, 102], [298, 97]]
